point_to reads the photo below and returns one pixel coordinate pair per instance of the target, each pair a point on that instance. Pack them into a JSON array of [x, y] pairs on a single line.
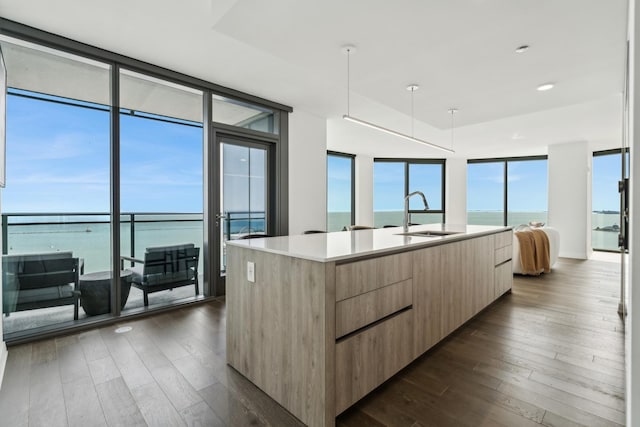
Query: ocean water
[[88, 236], [90, 240]]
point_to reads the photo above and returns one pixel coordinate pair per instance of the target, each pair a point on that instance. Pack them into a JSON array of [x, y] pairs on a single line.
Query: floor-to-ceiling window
[[55, 207], [393, 179], [340, 191], [161, 179], [605, 199], [507, 191], [145, 176]]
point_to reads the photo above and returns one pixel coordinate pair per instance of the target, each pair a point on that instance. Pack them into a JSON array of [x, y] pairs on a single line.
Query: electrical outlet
[[251, 271]]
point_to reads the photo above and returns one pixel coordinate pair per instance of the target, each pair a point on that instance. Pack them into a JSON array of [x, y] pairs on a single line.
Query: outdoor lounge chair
[[164, 268], [40, 280]]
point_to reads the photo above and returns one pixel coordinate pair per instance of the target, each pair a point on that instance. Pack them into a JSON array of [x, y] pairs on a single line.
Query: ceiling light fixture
[[523, 48], [351, 49], [545, 86]]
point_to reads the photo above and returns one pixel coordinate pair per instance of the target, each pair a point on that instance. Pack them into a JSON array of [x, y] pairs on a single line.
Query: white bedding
[[554, 248]]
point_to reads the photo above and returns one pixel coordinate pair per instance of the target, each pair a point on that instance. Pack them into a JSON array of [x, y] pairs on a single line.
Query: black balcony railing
[[144, 229], [88, 233], [242, 223]]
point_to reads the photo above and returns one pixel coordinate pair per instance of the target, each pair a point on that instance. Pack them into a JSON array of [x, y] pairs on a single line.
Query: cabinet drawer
[[504, 239], [503, 279], [361, 310], [367, 359], [503, 254], [359, 277]]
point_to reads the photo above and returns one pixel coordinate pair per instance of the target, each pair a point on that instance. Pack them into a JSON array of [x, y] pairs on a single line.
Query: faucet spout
[[405, 222]]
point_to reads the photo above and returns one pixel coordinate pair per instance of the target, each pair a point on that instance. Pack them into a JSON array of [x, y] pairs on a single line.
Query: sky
[[58, 161], [527, 185]]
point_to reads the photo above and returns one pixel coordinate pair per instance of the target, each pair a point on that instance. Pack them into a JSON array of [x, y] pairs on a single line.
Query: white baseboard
[[3, 360], [574, 255]]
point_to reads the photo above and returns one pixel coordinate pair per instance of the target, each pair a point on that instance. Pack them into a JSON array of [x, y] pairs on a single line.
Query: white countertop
[[344, 245]]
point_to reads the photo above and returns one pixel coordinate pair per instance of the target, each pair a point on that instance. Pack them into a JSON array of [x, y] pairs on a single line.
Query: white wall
[[569, 168], [456, 191], [307, 172], [364, 190]]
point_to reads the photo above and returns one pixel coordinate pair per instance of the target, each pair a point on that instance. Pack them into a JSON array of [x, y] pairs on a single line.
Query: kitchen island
[[318, 321]]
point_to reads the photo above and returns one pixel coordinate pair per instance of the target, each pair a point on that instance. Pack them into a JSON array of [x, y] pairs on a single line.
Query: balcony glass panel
[[161, 189]]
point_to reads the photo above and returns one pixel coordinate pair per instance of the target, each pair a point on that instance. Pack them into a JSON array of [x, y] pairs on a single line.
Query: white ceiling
[[460, 52]]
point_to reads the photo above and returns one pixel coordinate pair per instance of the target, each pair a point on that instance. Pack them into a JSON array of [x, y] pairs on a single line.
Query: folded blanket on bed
[[534, 252]]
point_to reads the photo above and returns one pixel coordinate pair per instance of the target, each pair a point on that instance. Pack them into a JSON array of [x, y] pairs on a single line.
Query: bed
[[554, 246]]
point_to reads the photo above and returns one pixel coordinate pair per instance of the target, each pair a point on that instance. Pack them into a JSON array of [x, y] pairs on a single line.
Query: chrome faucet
[[405, 222]]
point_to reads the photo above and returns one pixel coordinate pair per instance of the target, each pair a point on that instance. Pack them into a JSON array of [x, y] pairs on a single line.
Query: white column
[[307, 172], [570, 197], [364, 190], [456, 191]]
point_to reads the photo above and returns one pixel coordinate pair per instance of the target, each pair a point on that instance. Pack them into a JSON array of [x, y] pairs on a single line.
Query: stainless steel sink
[[429, 233]]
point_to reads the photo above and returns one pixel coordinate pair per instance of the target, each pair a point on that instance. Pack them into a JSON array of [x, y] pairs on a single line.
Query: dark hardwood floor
[[550, 353]]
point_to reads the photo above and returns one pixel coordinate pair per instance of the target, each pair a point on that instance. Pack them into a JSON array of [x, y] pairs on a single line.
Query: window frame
[[505, 190], [116, 62], [352, 157], [413, 161], [624, 166]]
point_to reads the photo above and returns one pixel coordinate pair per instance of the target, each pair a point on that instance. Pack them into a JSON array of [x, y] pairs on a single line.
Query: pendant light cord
[[348, 82], [412, 119], [452, 113]]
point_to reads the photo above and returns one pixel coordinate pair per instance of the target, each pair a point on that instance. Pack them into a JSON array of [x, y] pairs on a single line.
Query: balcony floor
[[31, 319]]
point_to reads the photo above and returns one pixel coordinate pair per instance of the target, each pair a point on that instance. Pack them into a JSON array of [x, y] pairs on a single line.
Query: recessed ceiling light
[[545, 86], [522, 48]]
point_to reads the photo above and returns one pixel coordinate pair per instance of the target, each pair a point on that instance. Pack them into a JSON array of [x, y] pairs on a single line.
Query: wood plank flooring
[[550, 353]]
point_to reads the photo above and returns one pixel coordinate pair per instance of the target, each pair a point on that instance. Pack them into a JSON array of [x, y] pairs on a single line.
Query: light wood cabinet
[[503, 278], [504, 239], [318, 336], [427, 300], [467, 280], [367, 359], [358, 277], [361, 310], [503, 271], [481, 250]]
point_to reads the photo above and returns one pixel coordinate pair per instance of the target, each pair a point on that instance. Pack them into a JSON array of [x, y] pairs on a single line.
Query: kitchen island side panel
[[281, 330]]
